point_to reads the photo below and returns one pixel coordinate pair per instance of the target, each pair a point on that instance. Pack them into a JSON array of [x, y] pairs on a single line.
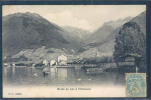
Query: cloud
[[88, 17], [66, 18]]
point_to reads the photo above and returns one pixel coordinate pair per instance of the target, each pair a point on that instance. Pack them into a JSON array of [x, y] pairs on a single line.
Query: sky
[[88, 17]]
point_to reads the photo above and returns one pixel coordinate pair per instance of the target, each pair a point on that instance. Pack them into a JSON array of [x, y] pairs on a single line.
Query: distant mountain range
[[77, 32], [31, 35], [103, 32], [117, 23], [103, 40]]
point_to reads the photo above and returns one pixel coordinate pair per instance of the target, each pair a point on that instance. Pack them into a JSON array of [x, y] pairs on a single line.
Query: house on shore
[[53, 62], [45, 62], [62, 60], [130, 62]]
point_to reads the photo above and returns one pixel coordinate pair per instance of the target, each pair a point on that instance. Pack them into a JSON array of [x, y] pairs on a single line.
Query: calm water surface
[[15, 76]]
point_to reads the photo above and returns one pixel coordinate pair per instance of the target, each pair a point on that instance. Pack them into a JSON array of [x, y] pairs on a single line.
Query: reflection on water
[[59, 76]]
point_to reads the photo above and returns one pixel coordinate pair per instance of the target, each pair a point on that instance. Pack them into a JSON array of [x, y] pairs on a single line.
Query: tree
[[129, 40]]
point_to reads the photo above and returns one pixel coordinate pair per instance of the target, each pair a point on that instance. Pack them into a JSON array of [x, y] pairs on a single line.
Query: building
[[45, 62], [62, 60], [53, 62], [5, 64], [129, 62]]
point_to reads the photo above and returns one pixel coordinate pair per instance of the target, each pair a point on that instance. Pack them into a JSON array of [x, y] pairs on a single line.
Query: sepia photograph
[[56, 51]]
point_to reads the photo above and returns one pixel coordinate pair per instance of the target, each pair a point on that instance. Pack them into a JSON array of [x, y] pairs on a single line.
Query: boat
[[46, 71]]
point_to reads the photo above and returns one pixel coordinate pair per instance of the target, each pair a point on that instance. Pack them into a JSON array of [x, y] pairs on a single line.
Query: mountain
[[78, 33], [23, 31], [105, 46], [141, 21], [117, 23], [103, 32], [32, 36], [99, 35]]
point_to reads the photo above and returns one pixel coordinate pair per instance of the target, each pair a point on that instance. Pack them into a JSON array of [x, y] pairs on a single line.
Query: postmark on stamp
[[135, 84]]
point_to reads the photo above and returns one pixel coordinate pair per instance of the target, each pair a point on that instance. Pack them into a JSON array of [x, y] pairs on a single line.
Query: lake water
[[15, 76]]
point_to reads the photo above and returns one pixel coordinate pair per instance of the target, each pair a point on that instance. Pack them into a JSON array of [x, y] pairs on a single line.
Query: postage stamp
[[135, 84]]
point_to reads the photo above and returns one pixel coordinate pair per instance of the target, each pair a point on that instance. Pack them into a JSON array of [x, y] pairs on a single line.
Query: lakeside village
[[128, 63]]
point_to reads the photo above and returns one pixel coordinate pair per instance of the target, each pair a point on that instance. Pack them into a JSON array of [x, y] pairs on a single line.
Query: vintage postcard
[[57, 51]]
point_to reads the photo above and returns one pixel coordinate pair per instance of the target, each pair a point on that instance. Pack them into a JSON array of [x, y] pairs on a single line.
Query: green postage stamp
[[135, 84]]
